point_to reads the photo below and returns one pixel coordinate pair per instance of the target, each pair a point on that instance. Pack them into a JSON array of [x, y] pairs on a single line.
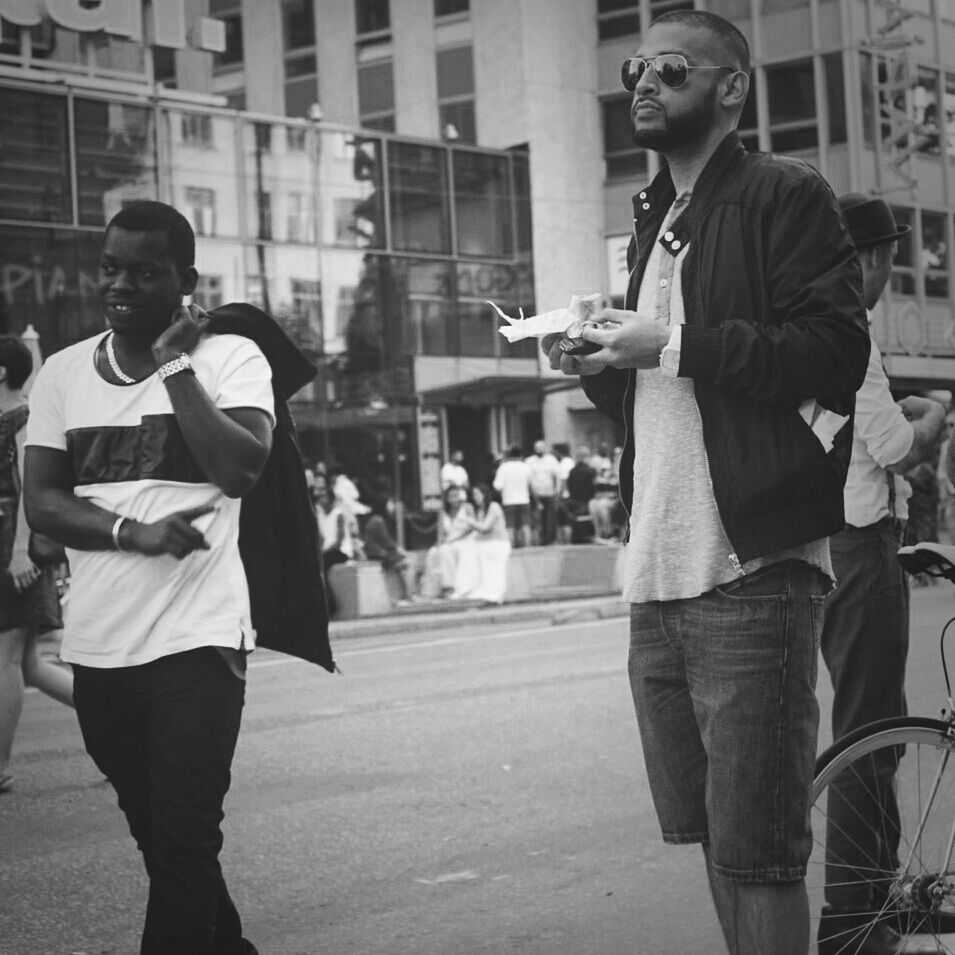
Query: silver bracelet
[[175, 366], [117, 525]]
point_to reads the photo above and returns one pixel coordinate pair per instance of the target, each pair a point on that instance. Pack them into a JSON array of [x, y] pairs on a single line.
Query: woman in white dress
[[452, 563], [492, 544]]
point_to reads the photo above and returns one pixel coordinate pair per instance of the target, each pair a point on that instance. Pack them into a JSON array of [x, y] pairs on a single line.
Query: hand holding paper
[[555, 322]]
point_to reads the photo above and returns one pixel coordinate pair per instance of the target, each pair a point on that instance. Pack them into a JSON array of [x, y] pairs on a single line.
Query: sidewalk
[[442, 615]]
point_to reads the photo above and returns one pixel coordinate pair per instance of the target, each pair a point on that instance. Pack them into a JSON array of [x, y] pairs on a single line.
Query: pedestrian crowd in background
[[549, 496]]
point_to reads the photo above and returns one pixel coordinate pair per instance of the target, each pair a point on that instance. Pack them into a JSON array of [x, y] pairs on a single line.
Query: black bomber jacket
[[772, 292]]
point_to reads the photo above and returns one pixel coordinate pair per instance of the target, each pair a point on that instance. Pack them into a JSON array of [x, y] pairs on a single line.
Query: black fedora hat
[[870, 220]]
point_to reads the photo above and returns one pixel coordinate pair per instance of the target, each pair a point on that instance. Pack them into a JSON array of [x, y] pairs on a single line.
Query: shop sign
[[123, 18], [429, 457]]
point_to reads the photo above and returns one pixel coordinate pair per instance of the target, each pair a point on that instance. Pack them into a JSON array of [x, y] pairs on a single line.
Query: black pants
[[164, 733]]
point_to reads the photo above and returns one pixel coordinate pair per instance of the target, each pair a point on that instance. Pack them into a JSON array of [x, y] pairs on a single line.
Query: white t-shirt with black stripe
[[128, 457]]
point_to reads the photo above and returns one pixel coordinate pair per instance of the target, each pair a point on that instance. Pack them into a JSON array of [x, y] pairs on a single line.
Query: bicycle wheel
[[883, 821]]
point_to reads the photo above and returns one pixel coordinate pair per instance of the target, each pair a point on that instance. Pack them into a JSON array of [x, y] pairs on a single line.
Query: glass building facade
[[375, 253]]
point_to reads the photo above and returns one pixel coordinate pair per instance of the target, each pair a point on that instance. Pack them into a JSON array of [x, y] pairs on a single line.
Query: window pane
[[200, 209], [611, 6], [298, 24], [477, 330], [791, 92], [924, 112], [949, 104], [904, 256], [626, 25], [617, 124], [233, 51], [520, 165], [372, 15], [835, 97], [52, 284], [419, 198], [115, 157], [510, 287], [482, 204], [794, 140], [623, 160], [385, 123], [748, 119], [208, 293], [300, 95], [934, 254], [455, 72], [212, 165], [427, 317], [350, 173], [459, 117], [376, 89], [302, 65], [34, 164], [443, 8], [164, 65]]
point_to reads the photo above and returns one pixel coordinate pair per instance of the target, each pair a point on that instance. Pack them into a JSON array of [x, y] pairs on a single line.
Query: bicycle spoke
[[885, 804]]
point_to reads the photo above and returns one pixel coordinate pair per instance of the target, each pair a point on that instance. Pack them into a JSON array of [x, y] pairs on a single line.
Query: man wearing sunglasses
[[733, 369]]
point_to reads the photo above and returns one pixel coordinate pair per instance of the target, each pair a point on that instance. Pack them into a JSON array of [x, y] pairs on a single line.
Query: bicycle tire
[[894, 869]]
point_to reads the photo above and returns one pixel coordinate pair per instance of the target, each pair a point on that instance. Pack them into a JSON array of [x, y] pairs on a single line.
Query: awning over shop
[[496, 389]]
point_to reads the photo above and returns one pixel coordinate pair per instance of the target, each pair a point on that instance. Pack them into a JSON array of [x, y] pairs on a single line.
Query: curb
[[556, 612]]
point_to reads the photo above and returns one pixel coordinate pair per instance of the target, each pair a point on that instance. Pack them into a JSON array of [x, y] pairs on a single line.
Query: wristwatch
[[175, 367], [670, 356]]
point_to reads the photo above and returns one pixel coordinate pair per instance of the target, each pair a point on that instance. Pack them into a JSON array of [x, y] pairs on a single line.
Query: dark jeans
[[865, 643], [545, 519], [164, 733]]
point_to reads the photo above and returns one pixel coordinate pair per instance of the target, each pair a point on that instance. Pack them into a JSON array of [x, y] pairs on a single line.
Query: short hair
[[147, 215], [16, 358], [718, 26]]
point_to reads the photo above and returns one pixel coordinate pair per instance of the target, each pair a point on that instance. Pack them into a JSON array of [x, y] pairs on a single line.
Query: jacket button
[[677, 243], [668, 236], [646, 205], [643, 195]]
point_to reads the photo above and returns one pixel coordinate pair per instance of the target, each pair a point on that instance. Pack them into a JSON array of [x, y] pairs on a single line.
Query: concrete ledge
[[557, 572]]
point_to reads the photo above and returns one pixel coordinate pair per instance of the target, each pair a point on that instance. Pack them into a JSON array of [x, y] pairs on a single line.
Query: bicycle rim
[[884, 801]]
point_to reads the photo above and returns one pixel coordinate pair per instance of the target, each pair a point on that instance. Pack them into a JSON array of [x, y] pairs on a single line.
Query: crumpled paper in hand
[[557, 321]]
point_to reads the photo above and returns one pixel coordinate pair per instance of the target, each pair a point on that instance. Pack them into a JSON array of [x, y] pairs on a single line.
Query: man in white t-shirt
[[513, 482], [453, 472], [140, 444], [545, 485]]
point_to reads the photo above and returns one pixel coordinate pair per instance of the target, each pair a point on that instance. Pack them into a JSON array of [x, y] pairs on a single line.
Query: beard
[[679, 131]]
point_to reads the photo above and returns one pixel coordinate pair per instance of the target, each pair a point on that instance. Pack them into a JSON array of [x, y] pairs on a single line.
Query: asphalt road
[[457, 792]]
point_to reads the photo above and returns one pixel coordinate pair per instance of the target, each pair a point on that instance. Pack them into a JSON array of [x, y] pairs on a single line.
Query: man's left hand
[[182, 335]]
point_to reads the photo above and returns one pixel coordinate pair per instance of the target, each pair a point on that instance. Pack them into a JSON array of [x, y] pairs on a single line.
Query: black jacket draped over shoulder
[[278, 535]]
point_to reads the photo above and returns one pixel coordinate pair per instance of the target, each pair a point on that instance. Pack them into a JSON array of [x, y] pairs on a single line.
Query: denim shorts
[[724, 690]]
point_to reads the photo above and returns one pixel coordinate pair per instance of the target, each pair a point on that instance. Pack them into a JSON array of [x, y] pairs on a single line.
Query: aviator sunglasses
[[671, 68]]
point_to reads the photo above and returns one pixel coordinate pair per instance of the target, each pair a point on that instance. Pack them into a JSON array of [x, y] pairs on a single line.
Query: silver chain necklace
[[111, 358]]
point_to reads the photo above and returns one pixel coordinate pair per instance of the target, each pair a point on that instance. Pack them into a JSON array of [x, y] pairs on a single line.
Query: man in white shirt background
[[545, 485], [453, 472], [513, 482], [866, 631]]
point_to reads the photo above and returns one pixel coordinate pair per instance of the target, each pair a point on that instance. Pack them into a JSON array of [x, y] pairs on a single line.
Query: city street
[[456, 792]]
